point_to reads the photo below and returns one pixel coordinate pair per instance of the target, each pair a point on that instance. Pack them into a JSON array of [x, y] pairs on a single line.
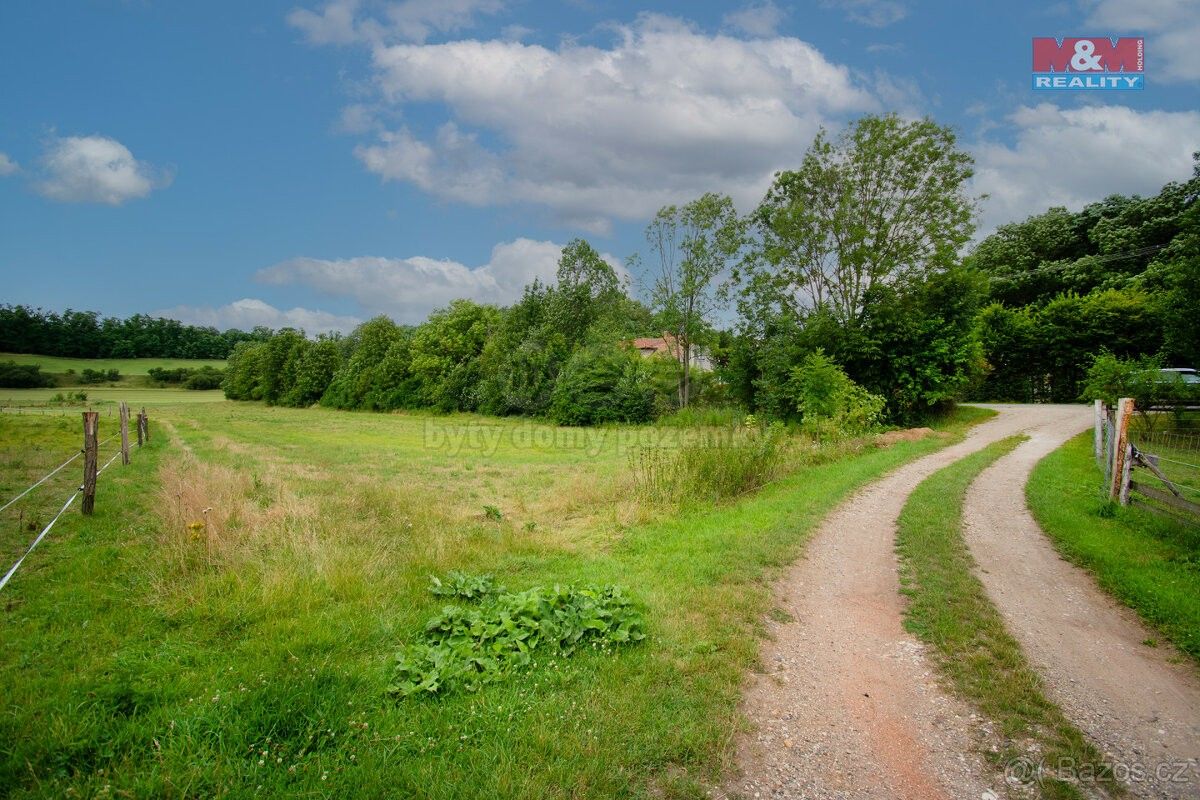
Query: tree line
[[559, 352], [1120, 277], [847, 287], [853, 258], [85, 334]]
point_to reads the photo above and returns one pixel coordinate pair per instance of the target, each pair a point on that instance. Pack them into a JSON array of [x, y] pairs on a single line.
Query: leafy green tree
[[393, 385], [446, 350], [885, 203], [1072, 329], [918, 346], [526, 351], [1014, 371], [243, 372], [279, 362], [695, 245], [1181, 285], [359, 374], [311, 371], [586, 286], [858, 255]]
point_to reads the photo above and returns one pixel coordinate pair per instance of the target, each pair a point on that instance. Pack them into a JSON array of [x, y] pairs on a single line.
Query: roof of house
[[657, 344]]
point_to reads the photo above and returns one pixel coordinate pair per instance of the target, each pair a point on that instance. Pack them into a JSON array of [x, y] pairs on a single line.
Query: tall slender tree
[[695, 245]]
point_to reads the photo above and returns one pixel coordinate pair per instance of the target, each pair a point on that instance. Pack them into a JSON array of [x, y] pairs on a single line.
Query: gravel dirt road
[[1139, 704], [848, 705]]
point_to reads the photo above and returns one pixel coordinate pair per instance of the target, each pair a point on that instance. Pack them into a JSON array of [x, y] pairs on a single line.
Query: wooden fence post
[[124, 432], [1110, 431], [145, 423], [139, 429], [1098, 432], [1123, 491], [1120, 442], [91, 423]]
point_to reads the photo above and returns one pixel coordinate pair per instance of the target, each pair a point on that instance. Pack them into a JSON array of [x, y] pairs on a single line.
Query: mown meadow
[[227, 624]]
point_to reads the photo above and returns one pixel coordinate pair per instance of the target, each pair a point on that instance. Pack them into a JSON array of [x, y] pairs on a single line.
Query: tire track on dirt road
[[1137, 706], [848, 705]]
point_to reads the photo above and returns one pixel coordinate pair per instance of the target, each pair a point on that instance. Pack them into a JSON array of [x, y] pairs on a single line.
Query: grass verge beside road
[[1148, 563], [981, 662]]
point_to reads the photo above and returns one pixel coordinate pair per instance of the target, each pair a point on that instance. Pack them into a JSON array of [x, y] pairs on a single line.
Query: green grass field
[[1149, 563], [127, 366], [156, 649], [38, 401]]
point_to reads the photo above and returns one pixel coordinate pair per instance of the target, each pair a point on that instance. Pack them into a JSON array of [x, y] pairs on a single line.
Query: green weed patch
[[466, 647]]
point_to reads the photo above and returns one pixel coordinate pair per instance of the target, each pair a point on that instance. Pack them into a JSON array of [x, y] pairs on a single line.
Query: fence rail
[[1134, 472]]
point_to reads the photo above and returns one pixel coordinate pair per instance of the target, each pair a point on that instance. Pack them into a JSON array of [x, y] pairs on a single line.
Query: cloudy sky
[[316, 163]]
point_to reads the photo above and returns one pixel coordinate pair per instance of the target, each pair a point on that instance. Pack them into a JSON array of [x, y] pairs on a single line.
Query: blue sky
[[317, 163]]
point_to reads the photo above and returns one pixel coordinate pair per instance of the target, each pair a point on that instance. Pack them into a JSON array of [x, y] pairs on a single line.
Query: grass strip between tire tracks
[[979, 660]]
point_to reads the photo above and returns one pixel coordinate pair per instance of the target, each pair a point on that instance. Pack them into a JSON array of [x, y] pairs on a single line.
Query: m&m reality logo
[[1092, 62]]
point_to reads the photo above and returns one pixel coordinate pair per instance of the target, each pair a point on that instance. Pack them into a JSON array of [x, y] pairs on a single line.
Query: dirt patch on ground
[[906, 435]]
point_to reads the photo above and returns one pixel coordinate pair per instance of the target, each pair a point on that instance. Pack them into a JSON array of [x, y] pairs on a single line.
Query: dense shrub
[[165, 375], [603, 384], [1111, 378], [204, 378], [23, 376], [829, 403], [99, 375]]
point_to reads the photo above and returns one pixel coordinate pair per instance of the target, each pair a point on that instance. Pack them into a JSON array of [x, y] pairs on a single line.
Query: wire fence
[[1174, 454], [1150, 458], [122, 450]]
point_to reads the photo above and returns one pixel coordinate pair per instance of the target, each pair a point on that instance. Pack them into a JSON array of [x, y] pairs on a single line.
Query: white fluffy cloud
[[873, 13], [407, 289], [95, 169], [348, 21], [1173, 28], [662, 115], [757, 19], [1071, 157], [7, 165], [249, 313]]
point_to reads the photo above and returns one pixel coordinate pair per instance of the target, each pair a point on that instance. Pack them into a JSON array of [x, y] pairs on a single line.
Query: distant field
[[127, 366], [39, 399]]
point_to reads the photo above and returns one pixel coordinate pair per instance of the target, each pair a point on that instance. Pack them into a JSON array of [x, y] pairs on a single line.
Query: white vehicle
[[1185, 374]]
